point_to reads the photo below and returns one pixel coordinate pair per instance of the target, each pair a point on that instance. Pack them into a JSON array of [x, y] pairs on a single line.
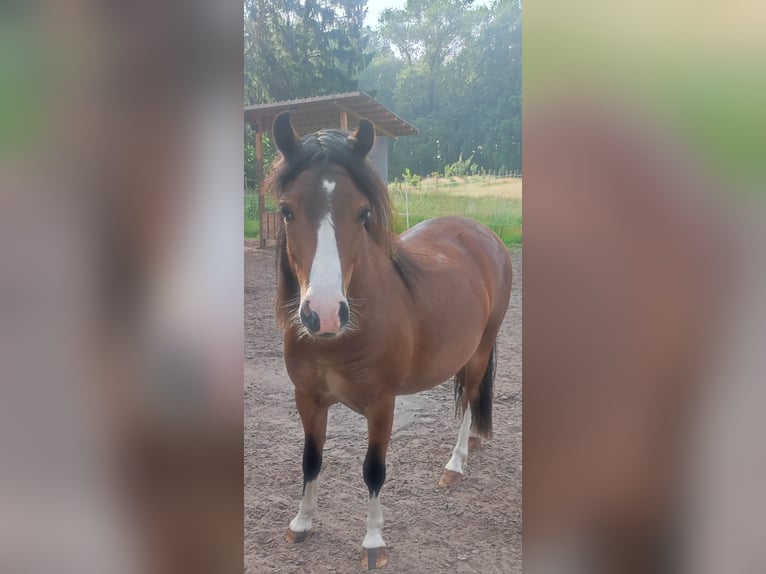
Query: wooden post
[[259, 172], [343, 120], [407, 203]]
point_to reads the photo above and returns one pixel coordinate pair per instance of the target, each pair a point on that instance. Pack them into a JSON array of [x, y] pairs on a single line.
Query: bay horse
[[367, 315]]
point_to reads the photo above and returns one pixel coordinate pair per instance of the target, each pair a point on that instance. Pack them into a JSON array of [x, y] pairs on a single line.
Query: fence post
[[407, 204], [261, 199]]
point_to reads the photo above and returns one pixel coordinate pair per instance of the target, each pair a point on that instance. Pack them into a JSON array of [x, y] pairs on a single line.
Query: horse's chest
[[345, 389], [337, 385]]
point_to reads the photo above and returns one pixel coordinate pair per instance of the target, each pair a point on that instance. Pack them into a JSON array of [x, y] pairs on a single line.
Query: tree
[[380, 76], [303, 48], [458, 79], [300, 48], [429, 32], [490, 77]]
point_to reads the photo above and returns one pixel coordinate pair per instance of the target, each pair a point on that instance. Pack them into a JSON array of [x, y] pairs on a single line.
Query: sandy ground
[[472, 527]]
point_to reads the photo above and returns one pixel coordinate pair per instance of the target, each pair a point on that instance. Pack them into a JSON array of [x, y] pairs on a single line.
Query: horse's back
[[449, 245]]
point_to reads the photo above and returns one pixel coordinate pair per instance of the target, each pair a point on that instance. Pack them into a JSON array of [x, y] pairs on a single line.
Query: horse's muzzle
[[329, 324]]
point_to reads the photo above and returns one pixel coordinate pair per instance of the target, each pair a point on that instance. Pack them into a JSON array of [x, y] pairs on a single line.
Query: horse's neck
[[375, 281]]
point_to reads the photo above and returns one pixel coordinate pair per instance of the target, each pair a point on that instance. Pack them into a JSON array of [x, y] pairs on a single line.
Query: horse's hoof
[[474, 443], [374, 558], [296, 537], [449, 478]]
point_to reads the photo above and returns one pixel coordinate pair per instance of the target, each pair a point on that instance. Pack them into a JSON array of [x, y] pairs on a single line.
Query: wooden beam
[[259, 175], [357, 116], [343, 120]]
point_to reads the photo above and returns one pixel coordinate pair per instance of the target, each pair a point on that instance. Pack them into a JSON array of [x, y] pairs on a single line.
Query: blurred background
[[121, 286], [121, 283], [644, 271]]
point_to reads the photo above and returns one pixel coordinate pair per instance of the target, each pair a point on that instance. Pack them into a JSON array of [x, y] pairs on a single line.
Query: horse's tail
[[481, 408], [459, 382]]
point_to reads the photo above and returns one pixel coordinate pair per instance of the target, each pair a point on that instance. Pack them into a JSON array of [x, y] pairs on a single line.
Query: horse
[[368, 315]]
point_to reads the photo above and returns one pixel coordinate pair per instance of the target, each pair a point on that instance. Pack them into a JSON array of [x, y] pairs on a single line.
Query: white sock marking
[[460, 452], [302, 521], [374, 536]]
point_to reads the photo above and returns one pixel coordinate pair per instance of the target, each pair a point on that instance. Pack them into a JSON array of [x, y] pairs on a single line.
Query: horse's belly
[[427, 376], [421, 383]]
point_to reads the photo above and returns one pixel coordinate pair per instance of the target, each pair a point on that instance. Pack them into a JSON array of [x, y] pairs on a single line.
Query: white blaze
[[374, 536], [325, 290], [325, 274]]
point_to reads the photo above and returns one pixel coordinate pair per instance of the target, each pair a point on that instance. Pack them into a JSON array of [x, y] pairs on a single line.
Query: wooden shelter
[[311, 114]]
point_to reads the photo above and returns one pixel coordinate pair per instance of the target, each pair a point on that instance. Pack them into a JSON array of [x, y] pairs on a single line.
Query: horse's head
[[331, 203]]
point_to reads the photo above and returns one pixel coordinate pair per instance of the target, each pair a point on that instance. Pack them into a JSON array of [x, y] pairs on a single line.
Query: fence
[[252, 224], [493, 199], [503, 217]]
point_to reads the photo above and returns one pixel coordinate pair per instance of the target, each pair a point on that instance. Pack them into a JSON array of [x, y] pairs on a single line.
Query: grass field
[[495, 202]]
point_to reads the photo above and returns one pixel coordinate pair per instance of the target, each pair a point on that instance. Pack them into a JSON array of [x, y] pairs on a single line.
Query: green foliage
[[450, 68], [252, 228], [461, 167], [458, 79], [297, 49], [411, 178], [302, 48], [251, 216], [252, 219], [269, 154], [380, 77]]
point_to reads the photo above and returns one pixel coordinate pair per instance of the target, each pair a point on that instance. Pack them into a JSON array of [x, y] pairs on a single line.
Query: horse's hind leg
[[453, 470], [314, 419], [476, 397]]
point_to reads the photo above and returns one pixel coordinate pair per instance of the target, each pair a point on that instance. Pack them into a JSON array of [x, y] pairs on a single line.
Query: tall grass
[[252, 222], [495, 202], [252, 225]]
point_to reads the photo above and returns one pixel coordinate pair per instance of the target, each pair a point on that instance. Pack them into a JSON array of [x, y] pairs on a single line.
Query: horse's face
[[325, 218]]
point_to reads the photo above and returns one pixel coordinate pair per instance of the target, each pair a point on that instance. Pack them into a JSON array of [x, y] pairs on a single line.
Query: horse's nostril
[[343, 314], [310, 320]]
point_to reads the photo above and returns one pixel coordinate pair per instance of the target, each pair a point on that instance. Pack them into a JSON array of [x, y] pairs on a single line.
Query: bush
[[461, 168], [410, 178]]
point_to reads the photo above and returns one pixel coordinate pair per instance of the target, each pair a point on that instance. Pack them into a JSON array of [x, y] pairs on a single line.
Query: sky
[[375, 7]]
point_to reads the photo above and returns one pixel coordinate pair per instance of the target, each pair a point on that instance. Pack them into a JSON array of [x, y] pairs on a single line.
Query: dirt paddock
[[472, 527]]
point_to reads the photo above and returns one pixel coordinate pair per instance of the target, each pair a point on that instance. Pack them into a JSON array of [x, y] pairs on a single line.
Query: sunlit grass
[[495, 202]]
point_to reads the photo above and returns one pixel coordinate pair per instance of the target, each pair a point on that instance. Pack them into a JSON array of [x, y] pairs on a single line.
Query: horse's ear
[[364, 137], [285, 136]]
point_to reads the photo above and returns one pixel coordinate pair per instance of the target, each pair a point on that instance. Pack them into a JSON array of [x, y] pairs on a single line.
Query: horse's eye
[[286, 212], [364, 215]]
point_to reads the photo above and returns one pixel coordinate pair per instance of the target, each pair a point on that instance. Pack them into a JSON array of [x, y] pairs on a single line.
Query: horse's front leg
[[314, 419], [380, 418]]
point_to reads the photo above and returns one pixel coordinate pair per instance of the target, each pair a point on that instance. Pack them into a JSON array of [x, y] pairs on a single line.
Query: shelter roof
[[311, 114]]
